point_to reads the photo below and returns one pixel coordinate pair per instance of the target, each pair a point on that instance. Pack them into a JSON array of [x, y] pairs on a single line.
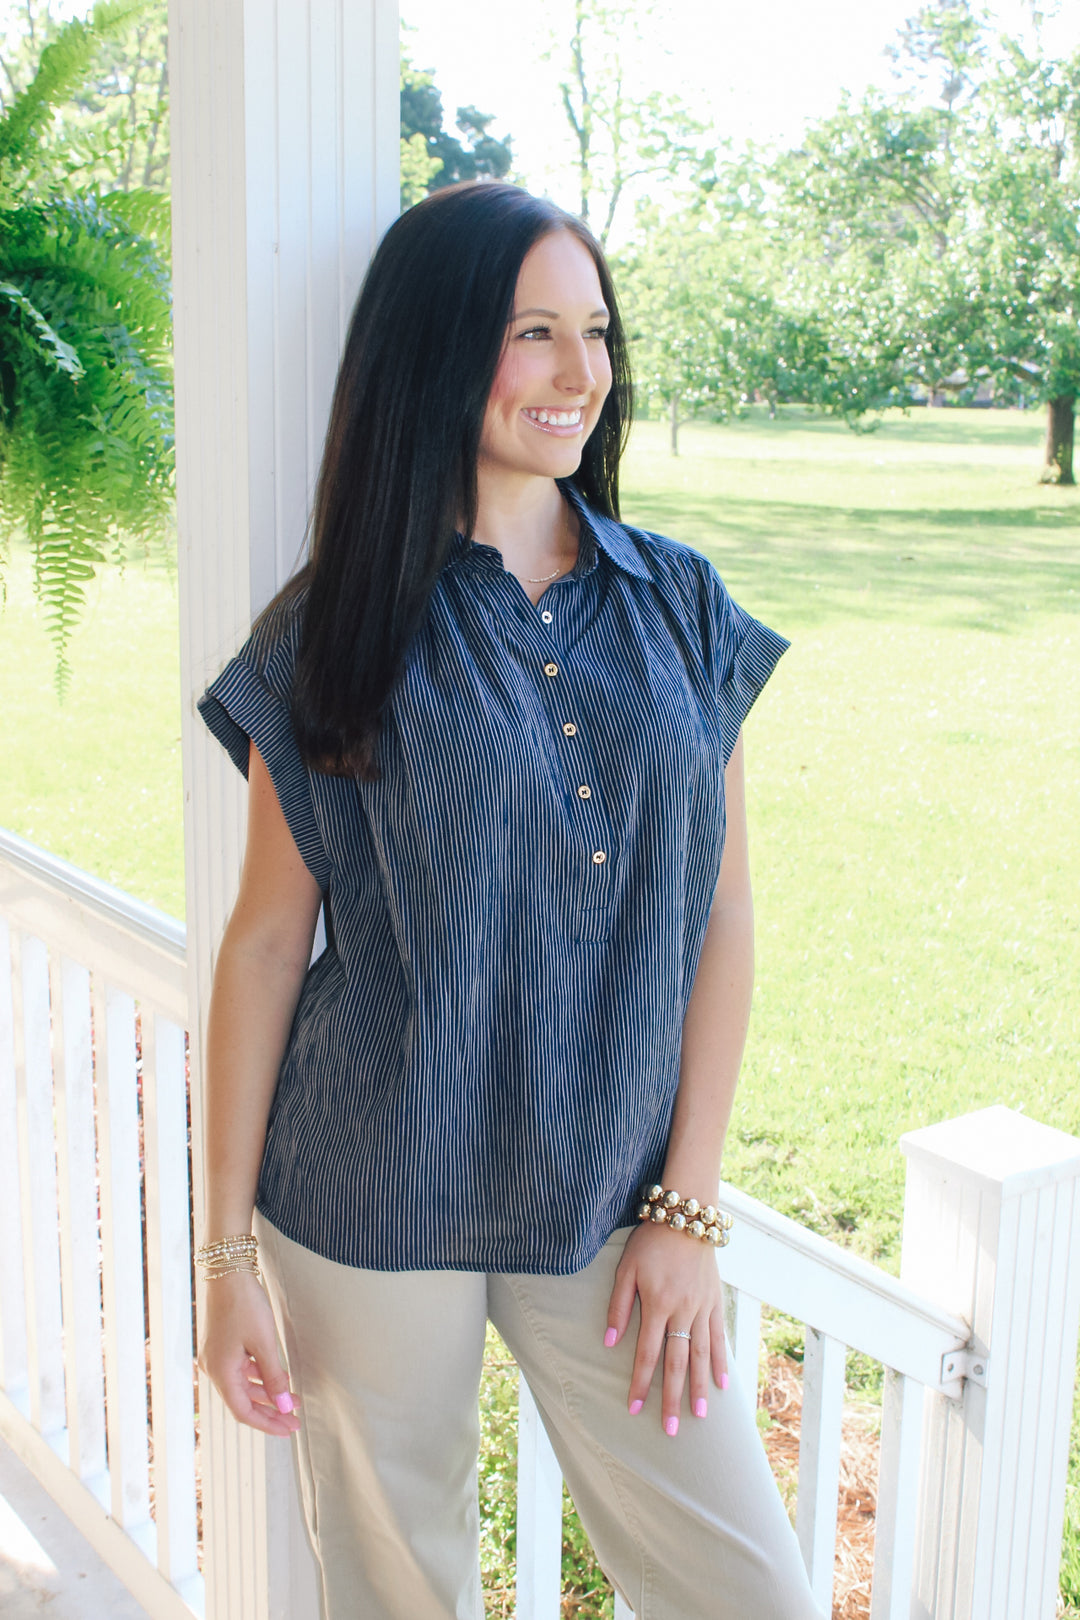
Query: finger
[[621, 1303], [676, 1361], [700, 1363], [269, 1382], [718, 1349], [650, 1347], [236, 1389]]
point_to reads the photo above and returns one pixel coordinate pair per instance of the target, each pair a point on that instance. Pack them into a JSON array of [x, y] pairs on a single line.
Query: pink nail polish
[[723, 1380], [700, 1406], [635, 1407], [284, 1401], [609, 1337], [671, 1425]]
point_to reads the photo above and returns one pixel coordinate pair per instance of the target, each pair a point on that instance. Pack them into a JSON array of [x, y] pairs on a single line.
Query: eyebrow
[[553, 314]]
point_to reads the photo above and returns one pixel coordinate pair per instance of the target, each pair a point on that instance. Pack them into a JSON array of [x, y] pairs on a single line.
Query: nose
[[576, 372]]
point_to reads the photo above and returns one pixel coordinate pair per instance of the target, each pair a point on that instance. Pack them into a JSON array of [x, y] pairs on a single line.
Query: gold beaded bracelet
[[226, 1255], [667, 1208]]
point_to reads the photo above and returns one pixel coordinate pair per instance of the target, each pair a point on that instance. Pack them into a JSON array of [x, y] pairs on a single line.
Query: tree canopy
[[905, 248]]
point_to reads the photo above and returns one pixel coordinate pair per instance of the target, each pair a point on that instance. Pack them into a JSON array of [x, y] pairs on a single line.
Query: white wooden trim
[[992, 1229], [94, 923], [13, 1369], [824, 1365], [122, 1265], [89, 1517], [746, 1348], [168, 1247], [77, 1186], [835, 1291], [897, 1499], [37, 1170], [539, 1516]]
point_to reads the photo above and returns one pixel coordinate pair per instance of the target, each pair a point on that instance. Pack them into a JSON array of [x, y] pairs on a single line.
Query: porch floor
[[48, 1571]]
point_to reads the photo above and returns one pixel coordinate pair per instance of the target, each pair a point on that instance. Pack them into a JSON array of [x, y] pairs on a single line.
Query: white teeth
[[555, 418]]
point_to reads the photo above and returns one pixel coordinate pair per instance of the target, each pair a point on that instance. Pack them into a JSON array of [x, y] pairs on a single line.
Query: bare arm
[[675, 1278], [260, 970], [714, 1029]]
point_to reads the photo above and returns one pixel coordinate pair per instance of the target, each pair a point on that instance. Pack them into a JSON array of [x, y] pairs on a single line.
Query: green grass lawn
[[914, 778]]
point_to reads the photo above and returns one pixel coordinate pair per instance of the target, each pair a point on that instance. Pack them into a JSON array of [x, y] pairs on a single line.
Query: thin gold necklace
[[543, 578]]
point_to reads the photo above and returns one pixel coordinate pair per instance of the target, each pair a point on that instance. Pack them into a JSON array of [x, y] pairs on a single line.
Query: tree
[[949, 235], [114, 128], [85, 376], [430, 157], [1025, 236], [622, 132]]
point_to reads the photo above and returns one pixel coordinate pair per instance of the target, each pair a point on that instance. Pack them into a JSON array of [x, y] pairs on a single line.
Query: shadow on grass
[[988, 570], [1023, 431]]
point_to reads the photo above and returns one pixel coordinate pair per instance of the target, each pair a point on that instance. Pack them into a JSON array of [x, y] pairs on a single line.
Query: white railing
[[96, 1389], [978, 1337]]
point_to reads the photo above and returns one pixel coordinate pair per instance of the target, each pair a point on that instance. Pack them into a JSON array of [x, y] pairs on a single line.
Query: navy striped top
[[483, 1064]]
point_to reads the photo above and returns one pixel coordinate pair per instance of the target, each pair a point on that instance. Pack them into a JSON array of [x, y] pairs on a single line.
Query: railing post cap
[[996, 1147]]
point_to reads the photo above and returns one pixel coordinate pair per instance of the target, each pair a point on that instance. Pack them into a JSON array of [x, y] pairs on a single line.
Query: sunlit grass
[[914, 781]]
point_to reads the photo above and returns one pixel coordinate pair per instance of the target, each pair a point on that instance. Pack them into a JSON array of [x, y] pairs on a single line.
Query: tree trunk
[[1060, 433], [674, 418]]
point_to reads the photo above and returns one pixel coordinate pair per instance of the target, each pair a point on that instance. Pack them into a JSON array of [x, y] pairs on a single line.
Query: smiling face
[[555, 371]]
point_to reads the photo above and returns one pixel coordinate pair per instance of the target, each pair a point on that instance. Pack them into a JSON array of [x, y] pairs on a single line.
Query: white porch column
[[992, 1233], [285, 172]]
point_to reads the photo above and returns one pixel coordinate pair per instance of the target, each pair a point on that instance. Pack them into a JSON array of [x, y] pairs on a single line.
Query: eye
[[600, 332], [535, 332]]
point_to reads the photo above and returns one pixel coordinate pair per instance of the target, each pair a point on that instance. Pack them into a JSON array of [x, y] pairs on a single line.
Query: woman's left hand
[[679, 1287]]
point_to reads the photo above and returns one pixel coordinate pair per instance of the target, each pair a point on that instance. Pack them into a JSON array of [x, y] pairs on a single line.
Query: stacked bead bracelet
[[229, 1254], [667, 1208]]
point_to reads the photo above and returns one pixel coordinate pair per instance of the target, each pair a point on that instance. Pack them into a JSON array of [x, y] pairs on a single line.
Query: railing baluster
[[897, 1498], [122, 1270], [819, 1460], [37, 1174], [539, 1516], [77, 1195], [168, 1253], [13, 1373], [747, 1347]]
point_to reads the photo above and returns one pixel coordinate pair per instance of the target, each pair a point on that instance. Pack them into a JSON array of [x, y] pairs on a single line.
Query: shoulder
[[273, 646], [683, 577]]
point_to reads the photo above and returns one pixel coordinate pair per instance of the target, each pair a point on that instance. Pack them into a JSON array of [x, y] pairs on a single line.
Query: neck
[[524, 518]]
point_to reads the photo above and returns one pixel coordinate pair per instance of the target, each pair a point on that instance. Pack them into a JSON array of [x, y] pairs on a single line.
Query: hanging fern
[[86, 448]]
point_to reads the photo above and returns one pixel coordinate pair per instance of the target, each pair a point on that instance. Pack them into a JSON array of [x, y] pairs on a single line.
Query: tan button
[[551, 669], [546, 616], [599, 857], [570, 728], [584, 792]]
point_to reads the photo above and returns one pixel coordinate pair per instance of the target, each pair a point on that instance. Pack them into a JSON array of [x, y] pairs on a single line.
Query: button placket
[[594, 841]]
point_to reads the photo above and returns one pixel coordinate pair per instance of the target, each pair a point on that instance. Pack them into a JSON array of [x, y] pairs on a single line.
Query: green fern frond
[[46, 342], [63, 67]]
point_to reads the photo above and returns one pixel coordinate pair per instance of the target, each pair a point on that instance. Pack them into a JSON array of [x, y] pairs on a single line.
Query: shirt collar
[[611, 537], [604, 532]]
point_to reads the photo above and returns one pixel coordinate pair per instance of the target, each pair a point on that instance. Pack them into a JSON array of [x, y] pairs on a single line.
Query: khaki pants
[[387, 1367]]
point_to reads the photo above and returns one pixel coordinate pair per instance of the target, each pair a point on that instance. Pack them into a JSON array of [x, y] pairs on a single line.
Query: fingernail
[[635, 1407], [700, 1406], [284, 1401], [723, 1380], [671, 1425], [609, 1337]]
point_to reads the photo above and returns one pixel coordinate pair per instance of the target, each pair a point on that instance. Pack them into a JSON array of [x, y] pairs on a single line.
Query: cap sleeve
[[745, 651], [249, 703]]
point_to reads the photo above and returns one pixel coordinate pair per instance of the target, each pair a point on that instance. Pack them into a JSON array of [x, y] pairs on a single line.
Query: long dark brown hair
[[399, 465]]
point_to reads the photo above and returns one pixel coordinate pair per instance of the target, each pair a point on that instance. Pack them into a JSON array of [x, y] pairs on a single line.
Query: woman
[[494, 736]]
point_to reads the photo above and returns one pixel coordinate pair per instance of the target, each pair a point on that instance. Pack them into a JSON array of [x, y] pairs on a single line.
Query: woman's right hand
[[238, 1352]]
